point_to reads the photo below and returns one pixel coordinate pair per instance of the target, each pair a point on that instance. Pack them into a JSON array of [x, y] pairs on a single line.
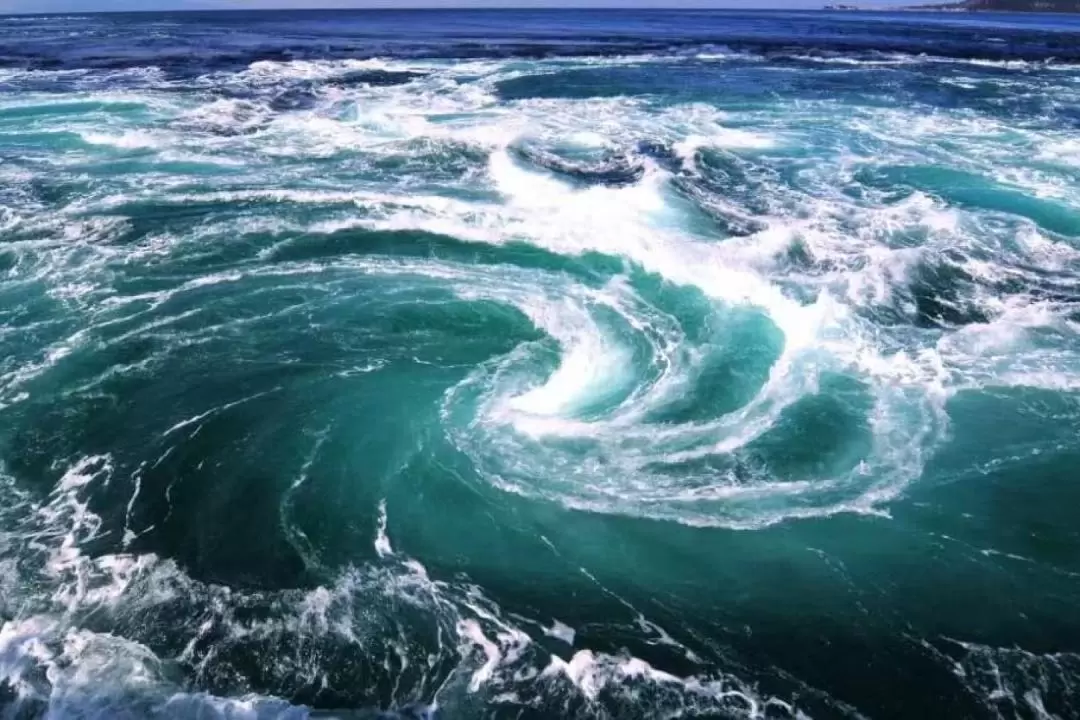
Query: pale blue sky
[[42, 6]]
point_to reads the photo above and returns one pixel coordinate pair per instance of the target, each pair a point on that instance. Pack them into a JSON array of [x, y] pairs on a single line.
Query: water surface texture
[[539, 365]]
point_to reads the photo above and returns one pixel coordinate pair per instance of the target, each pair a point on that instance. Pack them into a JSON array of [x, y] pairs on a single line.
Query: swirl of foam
[[627, 406]]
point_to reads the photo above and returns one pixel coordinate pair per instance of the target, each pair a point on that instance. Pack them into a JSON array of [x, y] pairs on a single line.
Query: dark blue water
[[196, 43], [539, 365]]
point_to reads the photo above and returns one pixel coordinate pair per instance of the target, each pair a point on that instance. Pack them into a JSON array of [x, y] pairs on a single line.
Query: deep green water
[[709, 384]]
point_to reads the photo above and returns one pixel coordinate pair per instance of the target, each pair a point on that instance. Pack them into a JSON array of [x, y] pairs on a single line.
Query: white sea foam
[[640, 224], [382, 540], [1013, 680], [637, 223], [561, 631], [48, 659], [570, 419]]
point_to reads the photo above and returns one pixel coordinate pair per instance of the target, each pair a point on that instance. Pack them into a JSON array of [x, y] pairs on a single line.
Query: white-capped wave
[[49, 659]]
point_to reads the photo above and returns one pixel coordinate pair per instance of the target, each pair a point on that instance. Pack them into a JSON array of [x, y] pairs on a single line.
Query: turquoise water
[[539, 365]]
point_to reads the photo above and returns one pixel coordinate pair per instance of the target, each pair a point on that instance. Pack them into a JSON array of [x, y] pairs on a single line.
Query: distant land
[[1021, 5], [1050, 6]]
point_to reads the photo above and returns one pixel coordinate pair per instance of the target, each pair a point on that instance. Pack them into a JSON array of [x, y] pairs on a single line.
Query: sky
[[44, 6]]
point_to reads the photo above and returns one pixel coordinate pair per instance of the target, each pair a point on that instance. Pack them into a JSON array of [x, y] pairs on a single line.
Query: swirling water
[[539, 365]]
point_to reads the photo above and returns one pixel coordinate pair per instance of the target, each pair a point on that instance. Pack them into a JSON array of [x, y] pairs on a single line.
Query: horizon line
[[915, 5], [210, 6]]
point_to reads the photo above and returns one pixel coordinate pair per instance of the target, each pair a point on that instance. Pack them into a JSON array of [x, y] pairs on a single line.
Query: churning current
[[539, 365]]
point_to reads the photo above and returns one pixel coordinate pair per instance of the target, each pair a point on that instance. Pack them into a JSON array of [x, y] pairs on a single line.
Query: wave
[[410, 636], [1013, 680], [1034, 53], [618, 206]]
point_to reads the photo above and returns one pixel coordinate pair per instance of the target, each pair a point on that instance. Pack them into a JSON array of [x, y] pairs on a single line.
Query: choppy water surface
[[537, 365]]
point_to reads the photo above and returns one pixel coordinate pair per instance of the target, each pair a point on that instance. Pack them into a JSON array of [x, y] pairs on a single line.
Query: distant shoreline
[[1010, 6], [968, 6]]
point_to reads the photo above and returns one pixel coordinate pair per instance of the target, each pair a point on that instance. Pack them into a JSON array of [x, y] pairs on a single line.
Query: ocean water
[[539, 365]]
